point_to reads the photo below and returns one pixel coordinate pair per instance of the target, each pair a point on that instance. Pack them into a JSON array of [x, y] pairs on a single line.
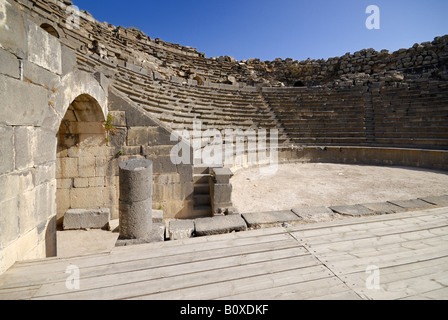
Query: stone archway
[[82, 157]]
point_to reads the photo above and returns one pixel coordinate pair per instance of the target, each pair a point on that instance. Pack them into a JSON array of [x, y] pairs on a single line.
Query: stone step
[[220, 225], [201, 170], [201, 178], [201, 200], [202, 211], [202, 188]]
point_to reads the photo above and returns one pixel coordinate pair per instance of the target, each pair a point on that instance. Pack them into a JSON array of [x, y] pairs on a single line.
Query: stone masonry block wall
[[137, 135], [27, 145], [85, 176], [37, 80]]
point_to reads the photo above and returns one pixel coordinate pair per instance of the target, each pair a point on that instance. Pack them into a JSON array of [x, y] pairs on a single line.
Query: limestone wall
[[27, 145], [37, 85]]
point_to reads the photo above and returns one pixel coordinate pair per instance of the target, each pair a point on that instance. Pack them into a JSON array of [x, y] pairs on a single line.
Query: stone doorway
[[82, 160]]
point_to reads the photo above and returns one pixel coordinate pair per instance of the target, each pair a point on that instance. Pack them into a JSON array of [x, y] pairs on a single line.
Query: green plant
[[110, 128]]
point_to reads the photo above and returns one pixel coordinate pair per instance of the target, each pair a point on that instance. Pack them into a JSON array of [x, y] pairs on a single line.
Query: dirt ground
[[317, 184]]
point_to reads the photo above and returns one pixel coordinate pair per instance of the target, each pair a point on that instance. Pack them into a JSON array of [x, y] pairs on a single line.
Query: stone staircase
[[201, 194]]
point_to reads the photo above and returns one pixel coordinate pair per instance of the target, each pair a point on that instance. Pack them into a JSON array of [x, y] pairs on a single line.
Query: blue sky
[[267, 30]]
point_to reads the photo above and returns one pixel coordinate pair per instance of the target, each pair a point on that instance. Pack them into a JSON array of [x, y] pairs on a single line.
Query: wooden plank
[[375, 232], [373, 229], [371, 219], [138, 264], [247, 287], [18, 293], [409, 287], [143, 284], [296, 290], [438, 294], [419, 238], [355, 251], [360, 265], [365, 223], [43, 268], [339, 232], [400, 272]]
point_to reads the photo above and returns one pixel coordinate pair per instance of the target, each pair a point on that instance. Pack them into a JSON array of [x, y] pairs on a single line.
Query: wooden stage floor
[[397, 256]]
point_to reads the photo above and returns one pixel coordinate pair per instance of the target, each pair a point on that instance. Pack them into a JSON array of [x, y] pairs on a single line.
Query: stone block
[[270, 219], [412, 204], [45, 173], [13, 31], [441, 201], [68, 60], [24, 138], [164, 165], [157, 216], [157, 234], [314, 214], [383, 207], [354, 210], [6, 149], [221, 195], [219, 225], [67, 168], [137, 136], [86, 167], [119, 118], [45, 201], [63, 203], [83, 198], [9, 224], [45, 147], [181, 229], [44, 49], [221, 175], [81, 182], [96, 182], [26, 205], [38, 75], [78, 219], [9, 65]]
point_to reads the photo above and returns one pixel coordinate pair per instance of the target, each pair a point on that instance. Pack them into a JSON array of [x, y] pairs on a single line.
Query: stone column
[[135, 199], [221, 191]]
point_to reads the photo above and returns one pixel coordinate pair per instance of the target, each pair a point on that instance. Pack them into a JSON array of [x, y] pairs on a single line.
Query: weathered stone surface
[[135, 198], [314, 213], [270, 219], [221, 175], [383, 207], [441, 201], [12, 29], [9, 65], [157, 234], [78, 219], [24, 143], [354, 210], [37, 74], [181, 229], [135, 219], [68, 60], [44, 49], [157, 216], [135, 180], [219, 225], [17, 108], [6, 149], [411, 204]]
